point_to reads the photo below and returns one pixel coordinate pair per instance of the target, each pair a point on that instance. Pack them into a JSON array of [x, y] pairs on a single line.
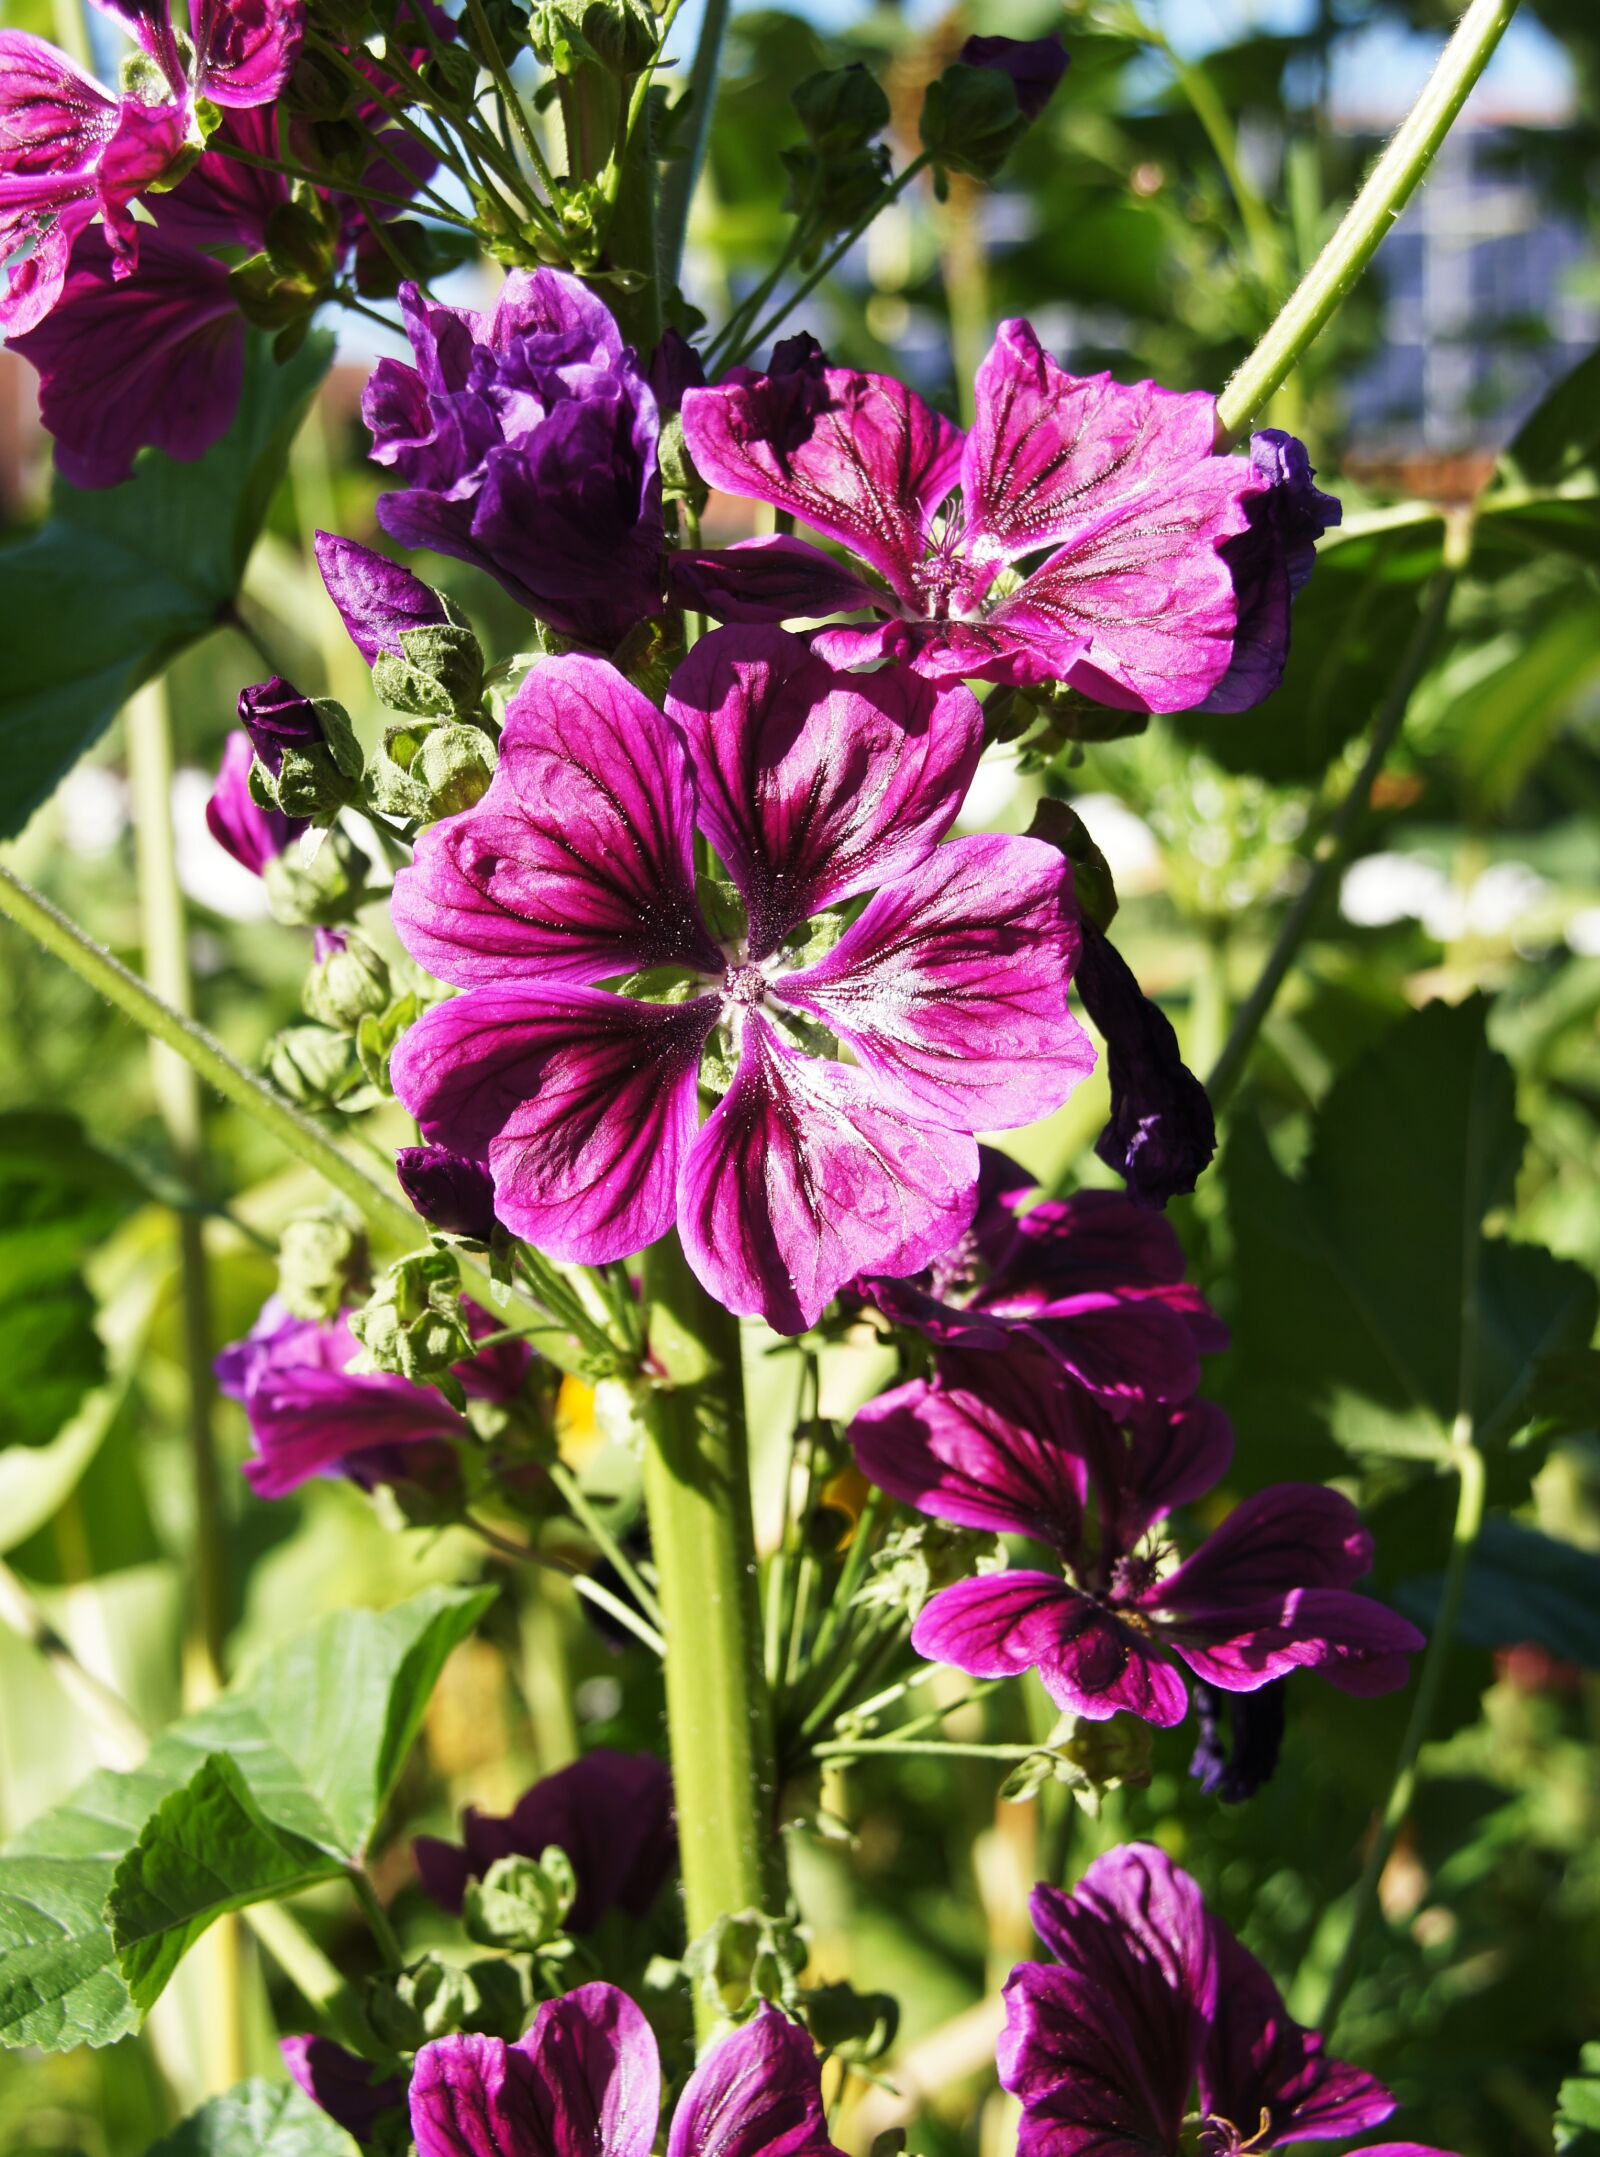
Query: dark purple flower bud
[[252, 835], [348, 2088], [675, 366], [1270, 563], [277, 717], [448, 1190], [1241, 1735], [377, 599], [526, 443], [1034, 64], [610, 1812], [1162, 1132]]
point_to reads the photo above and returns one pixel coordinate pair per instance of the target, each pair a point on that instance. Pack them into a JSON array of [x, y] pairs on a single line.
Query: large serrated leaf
[[317, 1736], [121, 579], [257, 2119]]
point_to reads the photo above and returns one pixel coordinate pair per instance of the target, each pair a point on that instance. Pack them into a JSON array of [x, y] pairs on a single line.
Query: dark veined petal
[[951, 987], [584, 1103], [866, 464], [756, 2094], [377, 599], [593, 2075], [578, 864], [1293, 1535], [814, 786], [245, 50], [985, 1447], [1167, 1457], [1358, 1645], [771, 579], [468, 2100], [805, 1175], [1162, 1132], [998, 1625], [1086, 2084], [348, 2088]]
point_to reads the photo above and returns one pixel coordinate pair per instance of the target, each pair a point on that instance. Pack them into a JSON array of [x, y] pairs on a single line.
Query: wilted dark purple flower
[[577, 868], [675, 366], [69, 152], [1150, 2002], [448, 1190], [1118, 487], [1034, 65], [348, 2088], [526, 439], [1008, 1446], [610, 1812], [311, 1415], [1094, 1280], [276, 716], [1162, 1132], [586, 2082], [1270, 563], [252, 835], [1241, 1735], [377, 599]]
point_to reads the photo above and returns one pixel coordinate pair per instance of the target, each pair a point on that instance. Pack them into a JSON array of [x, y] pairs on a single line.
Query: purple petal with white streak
[[593, 2075], [756, 2094]]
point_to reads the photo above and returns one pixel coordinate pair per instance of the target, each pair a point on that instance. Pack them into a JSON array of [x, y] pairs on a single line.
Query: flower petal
[[989, 1446], [951, 987], [348, 2088], [377, 599], [865, 463], [468, 2099], [1162, 1132], [813, 785], [245, 50], [1168, 1458], [1294, 1535], [1089, 2085], [1148, 583], [805, 1175], [593, 2075], [1051, 455], [1260, 2068], [1270, 564], [584, 1103], [1358, 1645], [578, 864], [771, 579], [756, 2094], [998, 1625]]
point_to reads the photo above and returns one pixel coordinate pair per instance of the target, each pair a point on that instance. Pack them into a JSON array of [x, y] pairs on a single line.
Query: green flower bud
[[320, 1258], [412, 1324], [841, 109], [618, 35], [376, 1038], [319, 889], [520, 1902], [680, 482], [428, 771], [313, 1067], [437, 673], [349, 982]]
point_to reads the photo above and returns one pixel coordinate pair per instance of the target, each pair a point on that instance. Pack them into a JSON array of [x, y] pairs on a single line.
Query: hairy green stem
[[922, 1749], [1229, 1066], [1469, 1466], [697, 1489], [678, 183], [1367, 221], [47, 925]]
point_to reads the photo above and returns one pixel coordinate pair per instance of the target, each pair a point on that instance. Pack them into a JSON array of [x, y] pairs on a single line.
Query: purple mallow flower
[[450, 1191], [1094, 1280], [610, 1812], [1010, 1447], [526, 441], [586, 2082], [378, 601], [1271, 562], [276, 716], [1151, 2001], [577, 868], [1241, 1735], [1162, 1132], [348, 2088], [69, 152], [311, 1415], [252, 835], [232, 53], [1034, 66], [1136, 602]]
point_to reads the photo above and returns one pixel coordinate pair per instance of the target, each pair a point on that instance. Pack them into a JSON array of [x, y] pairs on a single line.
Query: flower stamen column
[[697, 1488]]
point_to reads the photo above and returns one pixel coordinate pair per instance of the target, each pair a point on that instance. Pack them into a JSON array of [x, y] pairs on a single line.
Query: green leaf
[[207, 1849], [1578, 2108], [1354, 1275], [58, 1197], [121, 579], [318, 1734], [1560, 438], [1522, 1586], [1507, 717], [257, 2119]]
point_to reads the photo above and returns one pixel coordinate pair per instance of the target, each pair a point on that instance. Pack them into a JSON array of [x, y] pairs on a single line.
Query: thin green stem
[[590, 1591], [1229, 1066], [308, 1969], [438, 208], [1368, 219], [679, 181], [384, 1936], [382, 1211], [643, 1594], [831, 259], [513, 104], [935, 1748], [697, 1489], [1469, 1466]]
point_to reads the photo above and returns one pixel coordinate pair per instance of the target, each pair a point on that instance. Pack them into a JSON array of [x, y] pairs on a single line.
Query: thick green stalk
[[1364, 225], [678, 183], [697, 1489], [382, 1210]]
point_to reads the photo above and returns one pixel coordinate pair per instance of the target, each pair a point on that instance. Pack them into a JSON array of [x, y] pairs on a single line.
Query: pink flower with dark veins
[[577, 869], [1084, 532]]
